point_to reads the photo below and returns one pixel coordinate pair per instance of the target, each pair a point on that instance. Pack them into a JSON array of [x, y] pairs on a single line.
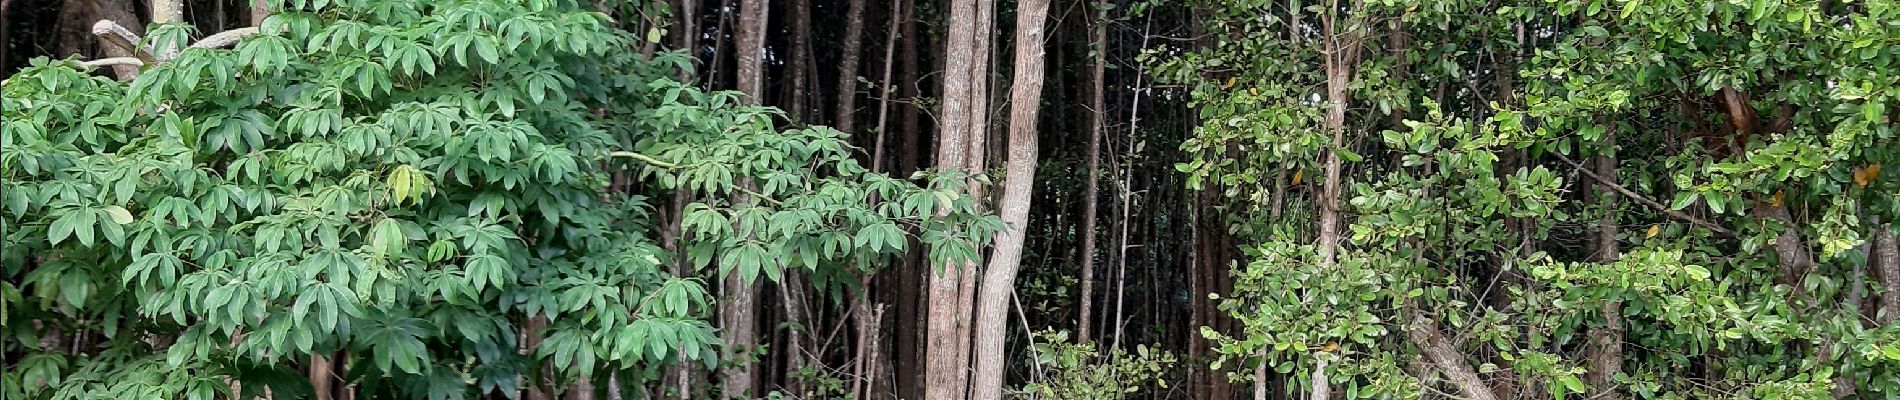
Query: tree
[[999, 278]]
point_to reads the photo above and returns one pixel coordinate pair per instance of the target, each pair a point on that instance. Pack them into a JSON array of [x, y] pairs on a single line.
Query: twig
[[1645, 200]]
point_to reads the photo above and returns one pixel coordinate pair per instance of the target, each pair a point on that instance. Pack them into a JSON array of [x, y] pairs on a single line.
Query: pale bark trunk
[[999, 280], [945, 374], [1439, 351], [1341, 54]]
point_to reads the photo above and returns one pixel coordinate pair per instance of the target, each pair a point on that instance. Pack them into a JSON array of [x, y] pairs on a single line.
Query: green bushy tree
[[410, 190]]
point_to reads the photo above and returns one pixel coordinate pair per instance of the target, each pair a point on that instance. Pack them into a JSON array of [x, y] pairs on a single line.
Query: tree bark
[[122, 12], [1439, 350], [800, 58], [1886, 254], [999, 280], [846, 119], [319, 374], [1341, 54], [1098, 43], [945, 374], [737, 318], [1606, 354], [260, 9]]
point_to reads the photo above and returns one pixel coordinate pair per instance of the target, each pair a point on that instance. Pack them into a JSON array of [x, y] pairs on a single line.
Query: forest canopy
[[948, 200]]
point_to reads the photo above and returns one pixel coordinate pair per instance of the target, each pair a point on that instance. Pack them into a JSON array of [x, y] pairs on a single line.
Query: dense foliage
[[1478, 210], [415, 191]]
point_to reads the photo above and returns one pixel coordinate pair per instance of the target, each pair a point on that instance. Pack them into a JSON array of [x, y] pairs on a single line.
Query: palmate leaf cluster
[[409, 189], [1465, 213]]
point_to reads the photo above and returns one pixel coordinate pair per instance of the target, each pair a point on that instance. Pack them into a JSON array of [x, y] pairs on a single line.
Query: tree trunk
[[1098, 42], [1606, 355], [125, 14], [260, 9], [320, 373], [168, 12], [737, 317], [800, 57], [736, 322], [1439, 351], [999, 280], [1341, 54], [945, 370], [1886, 254], [846, 119]]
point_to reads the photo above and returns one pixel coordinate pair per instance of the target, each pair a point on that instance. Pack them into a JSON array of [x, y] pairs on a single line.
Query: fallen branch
[[116, 35], [1645, 200]]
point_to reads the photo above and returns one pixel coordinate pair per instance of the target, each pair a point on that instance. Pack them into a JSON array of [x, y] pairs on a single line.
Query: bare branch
[[115, 61], [114, 34], [1645, 200], [224, 39]]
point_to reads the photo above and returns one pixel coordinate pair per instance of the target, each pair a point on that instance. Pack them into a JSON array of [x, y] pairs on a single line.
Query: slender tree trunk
[[1098, 44], [737, 315], [1606, 355], [320, 372], [792, 295], [945, 374], [533, 387], [999, 280], [846, 119], [800, 25], [1341, 55]]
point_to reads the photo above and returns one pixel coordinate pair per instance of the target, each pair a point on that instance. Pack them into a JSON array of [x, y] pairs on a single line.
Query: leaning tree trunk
[[999, 280]]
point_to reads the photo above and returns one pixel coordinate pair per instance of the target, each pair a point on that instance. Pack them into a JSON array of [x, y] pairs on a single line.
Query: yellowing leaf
[[1297, 174], [1253, 91], [119, 215], [1865, 176], [1330, 347], [1231, 81], [1780, 196], [1653, 231]]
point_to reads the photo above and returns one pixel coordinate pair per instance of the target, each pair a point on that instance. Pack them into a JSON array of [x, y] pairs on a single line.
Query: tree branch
[[114, 34], [224, 39], [115, 61], [1645, 200]]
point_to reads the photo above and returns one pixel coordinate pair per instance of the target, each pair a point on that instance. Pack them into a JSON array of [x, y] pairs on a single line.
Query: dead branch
[[117, 35]]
